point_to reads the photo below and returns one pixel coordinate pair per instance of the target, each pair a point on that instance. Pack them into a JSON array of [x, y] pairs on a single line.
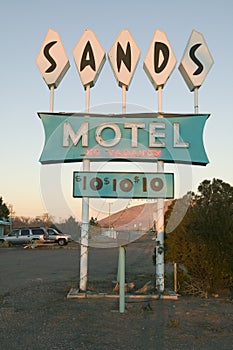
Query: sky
[[31, 187]]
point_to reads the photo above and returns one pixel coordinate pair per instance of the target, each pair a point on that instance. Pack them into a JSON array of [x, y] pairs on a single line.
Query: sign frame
[[196, 61], [72, 137], [123, 57], [89, 57], [159, 70], [52, 59]]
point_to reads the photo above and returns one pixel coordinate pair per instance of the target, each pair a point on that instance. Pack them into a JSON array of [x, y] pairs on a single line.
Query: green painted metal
[[123, 185], [134, 137]]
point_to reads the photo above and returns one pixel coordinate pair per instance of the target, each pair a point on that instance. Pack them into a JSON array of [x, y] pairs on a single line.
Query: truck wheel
[[61, 241]]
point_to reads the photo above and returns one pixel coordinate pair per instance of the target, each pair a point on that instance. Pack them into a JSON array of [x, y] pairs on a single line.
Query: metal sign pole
[[121, 262], [160, 220], [51, 98], [123, 77], [85, 219], [122, 279], [89, 67], [196, 100], [123, 99], [158, 65]]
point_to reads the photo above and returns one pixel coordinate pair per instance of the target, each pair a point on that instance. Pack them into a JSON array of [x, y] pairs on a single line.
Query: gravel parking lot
[[36, 314]]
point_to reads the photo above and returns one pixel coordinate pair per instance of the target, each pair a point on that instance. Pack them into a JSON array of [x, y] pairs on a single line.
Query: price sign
[[123, 185]]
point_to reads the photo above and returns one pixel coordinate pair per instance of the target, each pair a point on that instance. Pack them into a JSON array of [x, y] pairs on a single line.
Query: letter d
[[160, 48]]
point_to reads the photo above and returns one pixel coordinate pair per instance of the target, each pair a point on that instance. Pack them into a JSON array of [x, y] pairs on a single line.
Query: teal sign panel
[[123, 185], [72, 137]]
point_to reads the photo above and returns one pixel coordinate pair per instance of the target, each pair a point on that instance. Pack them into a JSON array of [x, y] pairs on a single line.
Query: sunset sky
[[24, 182]]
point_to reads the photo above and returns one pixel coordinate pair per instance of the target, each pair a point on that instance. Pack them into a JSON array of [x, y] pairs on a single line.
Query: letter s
[[49, 57], [195, 59]]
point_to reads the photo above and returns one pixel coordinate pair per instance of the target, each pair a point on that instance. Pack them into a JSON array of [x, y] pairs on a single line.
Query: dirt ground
[[36, 314]]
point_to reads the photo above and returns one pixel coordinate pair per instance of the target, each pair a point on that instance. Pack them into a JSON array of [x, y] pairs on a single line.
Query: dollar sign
[[106, 181]]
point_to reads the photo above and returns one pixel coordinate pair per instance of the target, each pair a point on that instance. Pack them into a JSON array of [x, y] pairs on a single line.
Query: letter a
[[87, 57]]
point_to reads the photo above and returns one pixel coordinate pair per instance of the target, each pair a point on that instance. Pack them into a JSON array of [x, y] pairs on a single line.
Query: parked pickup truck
[[56, 237], [25, 235]]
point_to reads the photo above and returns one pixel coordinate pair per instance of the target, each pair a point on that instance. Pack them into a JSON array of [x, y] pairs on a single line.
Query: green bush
[[203, 240]]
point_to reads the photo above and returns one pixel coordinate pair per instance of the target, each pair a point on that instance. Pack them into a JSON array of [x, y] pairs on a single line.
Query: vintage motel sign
[[89, 57], [123, 185], [123, 57], [196, 61], [160, 59], [52, 60], [71, 137]]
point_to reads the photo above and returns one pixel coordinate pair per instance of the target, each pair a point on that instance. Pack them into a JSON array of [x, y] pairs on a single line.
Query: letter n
[[122, 56]]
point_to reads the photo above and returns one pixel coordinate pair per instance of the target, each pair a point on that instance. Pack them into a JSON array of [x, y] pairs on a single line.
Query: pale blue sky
[[23, 92]]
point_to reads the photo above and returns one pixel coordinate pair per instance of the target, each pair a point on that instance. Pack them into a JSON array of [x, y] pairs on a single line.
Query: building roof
[[4, 223]]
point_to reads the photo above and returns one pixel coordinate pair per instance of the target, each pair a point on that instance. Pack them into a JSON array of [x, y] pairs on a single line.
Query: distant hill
[[139, 217]]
